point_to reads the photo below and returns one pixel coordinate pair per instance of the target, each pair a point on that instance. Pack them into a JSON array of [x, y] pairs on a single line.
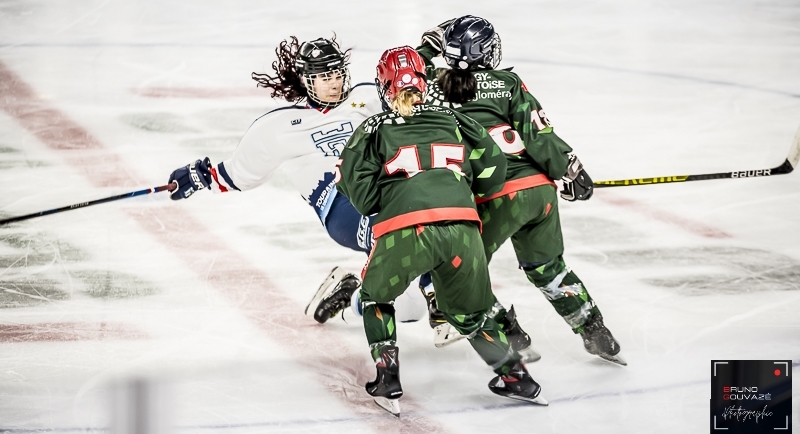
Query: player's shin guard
[[487, 338], [489, 341], [379, 326], [564, 290], [519, 339]]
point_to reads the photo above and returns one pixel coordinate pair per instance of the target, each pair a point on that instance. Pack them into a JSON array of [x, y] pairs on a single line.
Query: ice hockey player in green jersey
[[419, 168], [526, 210]]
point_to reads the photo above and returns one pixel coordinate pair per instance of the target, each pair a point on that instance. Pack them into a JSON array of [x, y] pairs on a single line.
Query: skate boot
[[385, 389], [333, 295], [518, 338], [435, 316], [443, 333], [518, 384], [597, 340]]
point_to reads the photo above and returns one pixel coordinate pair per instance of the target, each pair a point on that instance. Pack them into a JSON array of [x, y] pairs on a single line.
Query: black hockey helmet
[[322, 58], [471, 43]]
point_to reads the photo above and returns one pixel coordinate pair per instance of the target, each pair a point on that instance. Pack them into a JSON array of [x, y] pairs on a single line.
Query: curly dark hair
[[287, 83]]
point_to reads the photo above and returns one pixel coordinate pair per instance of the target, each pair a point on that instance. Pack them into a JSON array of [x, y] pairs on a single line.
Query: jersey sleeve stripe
[[224, 181]]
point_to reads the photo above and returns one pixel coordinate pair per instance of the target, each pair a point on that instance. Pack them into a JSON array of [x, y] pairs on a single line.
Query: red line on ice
[[60, 133], [65, 331], [667, 217], [198, 92], [341, 368]]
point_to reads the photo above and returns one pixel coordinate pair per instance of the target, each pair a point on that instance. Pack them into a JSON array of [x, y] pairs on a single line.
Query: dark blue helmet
[[471, 43]]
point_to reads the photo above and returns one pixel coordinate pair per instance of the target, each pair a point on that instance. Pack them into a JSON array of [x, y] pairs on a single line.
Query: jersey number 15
[[406, 160]]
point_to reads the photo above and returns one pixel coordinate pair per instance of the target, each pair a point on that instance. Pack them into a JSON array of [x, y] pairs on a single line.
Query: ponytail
[[458, 85], [403, 103]]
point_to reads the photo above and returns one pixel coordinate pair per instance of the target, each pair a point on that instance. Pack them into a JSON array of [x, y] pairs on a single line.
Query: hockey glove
[[435, 36], [190, 178], [577, 183]]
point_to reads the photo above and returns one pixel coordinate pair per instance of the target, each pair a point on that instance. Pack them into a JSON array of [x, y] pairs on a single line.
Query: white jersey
[[303, 142]]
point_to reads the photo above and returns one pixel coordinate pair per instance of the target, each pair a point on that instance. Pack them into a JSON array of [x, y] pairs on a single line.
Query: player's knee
[[544, 273]]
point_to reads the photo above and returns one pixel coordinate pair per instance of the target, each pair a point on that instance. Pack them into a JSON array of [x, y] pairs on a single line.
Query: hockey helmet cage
[[322, 58], [400, 68], [471, 43]]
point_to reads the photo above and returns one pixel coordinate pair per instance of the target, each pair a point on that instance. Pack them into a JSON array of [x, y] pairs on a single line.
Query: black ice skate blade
[[617, 359], [538, 400], [529, 355], [390, 405]]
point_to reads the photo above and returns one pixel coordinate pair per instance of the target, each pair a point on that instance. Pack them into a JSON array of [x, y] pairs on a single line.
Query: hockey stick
[[787, 167], [168, 187]]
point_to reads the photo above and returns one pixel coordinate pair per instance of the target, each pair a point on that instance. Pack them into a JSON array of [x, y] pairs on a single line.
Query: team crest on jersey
[[331, 142]]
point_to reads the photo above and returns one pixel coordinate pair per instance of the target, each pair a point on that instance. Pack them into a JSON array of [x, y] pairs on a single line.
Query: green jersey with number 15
[[419, 169]]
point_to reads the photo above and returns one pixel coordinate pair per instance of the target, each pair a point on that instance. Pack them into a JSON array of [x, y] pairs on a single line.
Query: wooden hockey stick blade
[[787, 167], [168, 187]]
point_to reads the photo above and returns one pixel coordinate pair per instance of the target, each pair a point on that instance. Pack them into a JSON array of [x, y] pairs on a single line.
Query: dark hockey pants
[[530, 219], [454, 254]]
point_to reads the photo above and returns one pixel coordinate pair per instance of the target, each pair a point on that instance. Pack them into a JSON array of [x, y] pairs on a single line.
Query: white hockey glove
[[577, 183], [435, 36]]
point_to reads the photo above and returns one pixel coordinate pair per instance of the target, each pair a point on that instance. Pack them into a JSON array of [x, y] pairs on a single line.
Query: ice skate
[[435, 316], [520, 340], [518, 384], [333, 295], [385, 389], [443, 333], [597, 340]]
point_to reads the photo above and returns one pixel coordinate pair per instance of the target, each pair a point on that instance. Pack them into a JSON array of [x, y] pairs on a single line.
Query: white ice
[[205, 296]]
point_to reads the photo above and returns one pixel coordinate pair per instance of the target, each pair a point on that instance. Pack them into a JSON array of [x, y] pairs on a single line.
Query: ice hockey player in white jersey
[[303, 140]]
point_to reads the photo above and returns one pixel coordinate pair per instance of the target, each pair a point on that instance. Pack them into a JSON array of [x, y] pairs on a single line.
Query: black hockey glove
[[577, 183], [190, 178], [435, 36]]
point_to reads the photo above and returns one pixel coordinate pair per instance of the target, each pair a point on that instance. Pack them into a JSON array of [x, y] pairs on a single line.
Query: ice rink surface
[[205, 297]]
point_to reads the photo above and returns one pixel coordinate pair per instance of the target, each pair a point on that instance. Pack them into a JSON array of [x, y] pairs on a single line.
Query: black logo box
[[751, 396]]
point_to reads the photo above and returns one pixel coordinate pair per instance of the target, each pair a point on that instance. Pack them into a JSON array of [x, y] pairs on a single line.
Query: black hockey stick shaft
[[168, 187], [787, 167]]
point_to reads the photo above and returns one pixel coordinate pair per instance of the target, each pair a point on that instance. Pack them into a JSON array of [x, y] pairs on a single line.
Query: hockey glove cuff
[[435, 36], [577, 183], [190, 178]]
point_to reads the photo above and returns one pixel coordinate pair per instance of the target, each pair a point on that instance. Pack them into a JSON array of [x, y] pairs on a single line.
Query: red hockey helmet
[[400, 68]]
